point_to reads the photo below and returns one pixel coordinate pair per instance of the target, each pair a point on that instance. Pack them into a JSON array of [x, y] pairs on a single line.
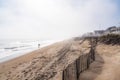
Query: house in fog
[[117, 31], [113, 29], [99, 32], [89, 34]]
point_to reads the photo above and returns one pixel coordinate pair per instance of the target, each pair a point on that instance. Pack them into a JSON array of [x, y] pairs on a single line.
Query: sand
[[106, 66], [48, 62], [45, 63]]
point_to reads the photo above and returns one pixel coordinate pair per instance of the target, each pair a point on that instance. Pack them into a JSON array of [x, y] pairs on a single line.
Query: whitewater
[[10, 49]]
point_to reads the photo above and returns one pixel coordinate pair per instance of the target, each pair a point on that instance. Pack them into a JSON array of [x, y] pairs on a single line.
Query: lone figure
[[38, 45]]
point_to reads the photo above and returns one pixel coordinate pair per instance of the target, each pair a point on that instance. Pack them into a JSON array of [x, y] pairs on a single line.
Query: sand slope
[[43, 64], [106, 66]]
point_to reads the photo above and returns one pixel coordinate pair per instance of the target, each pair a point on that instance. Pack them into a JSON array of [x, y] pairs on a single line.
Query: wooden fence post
[[70, 72], [78, 67]]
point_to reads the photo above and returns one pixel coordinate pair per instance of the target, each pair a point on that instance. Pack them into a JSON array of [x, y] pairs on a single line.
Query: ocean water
[[10, 49]]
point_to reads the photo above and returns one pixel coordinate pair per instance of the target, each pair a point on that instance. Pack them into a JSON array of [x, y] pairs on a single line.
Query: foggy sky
[[54, 19]]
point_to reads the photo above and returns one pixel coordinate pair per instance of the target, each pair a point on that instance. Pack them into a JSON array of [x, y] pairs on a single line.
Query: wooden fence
[[72, 72]]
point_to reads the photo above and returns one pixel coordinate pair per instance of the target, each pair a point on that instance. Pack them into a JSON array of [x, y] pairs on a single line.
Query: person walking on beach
[[38, 45]]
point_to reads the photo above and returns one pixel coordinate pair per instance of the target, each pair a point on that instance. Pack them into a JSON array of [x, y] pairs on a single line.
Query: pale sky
[[54, 19]]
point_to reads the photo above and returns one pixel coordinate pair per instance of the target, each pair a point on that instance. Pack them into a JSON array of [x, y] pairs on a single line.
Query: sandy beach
[[47, 61]]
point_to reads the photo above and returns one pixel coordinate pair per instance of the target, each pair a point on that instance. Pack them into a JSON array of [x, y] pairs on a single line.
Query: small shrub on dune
[[110, 39]]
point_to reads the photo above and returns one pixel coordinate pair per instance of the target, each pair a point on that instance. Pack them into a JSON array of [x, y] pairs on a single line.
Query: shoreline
[[19, 54]]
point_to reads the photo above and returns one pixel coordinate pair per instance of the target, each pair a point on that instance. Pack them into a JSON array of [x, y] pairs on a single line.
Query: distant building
[[117, 31], [114, 29], [99, 32], [89, 34], [111, 29]]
